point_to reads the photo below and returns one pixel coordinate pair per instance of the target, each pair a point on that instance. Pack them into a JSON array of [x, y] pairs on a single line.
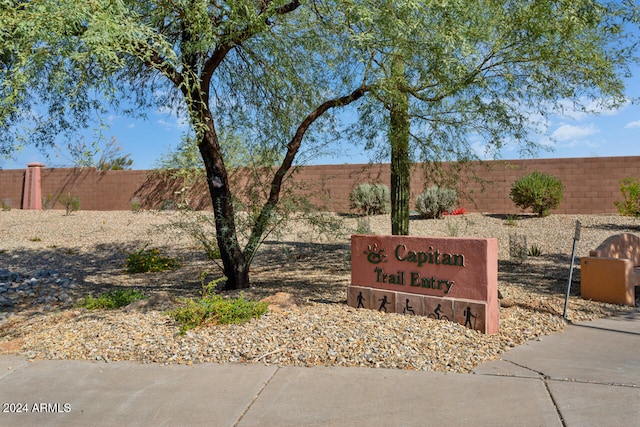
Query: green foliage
[[518, 247], [97, 154], [112, 299], [150, 260], [70, 203], [136, 205], [511, 220], [539, 191], [473, 70], [370, 199], [534, 251], [6, 204], [216, 310], [435, 201], [630, 189], [47, 202], [363, 225]]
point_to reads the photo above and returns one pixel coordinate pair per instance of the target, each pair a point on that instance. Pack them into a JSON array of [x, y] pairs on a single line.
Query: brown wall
[[591, 185]]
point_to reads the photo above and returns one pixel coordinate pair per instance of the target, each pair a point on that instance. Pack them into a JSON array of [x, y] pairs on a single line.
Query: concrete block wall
[[591, 185], [11, 185], [97, 190]]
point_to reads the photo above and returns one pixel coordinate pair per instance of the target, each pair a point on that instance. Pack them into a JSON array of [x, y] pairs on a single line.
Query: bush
[[630, 190], [70, 203], [149, 260], [216, 310], [112, 300], [538, 191], [434, 201], [370, 199]]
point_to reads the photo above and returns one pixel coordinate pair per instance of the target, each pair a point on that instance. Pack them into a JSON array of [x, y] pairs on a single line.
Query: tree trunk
[[400, 162], [234, 263]]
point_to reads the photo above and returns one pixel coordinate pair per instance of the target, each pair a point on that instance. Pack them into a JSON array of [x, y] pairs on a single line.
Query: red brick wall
[[591, 185]]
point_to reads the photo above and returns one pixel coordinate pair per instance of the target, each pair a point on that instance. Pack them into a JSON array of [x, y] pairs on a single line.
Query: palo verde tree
[[267, 69], [457, 73]]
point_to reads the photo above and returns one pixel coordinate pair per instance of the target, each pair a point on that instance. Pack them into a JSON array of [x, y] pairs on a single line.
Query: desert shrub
[[214, 309], [539, 191], [534, 251], [112, 300], [630, 190], [434, 201], [70, 203], [370, 199], [149, 260]]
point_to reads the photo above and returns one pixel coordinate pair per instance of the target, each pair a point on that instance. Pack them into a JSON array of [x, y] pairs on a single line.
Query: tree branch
[[218, 55], [293, 146]]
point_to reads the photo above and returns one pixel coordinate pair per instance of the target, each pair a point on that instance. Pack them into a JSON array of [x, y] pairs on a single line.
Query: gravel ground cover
[[86, 250]]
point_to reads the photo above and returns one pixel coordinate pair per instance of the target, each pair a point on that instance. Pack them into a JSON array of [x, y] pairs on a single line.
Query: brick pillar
[[32, 193]]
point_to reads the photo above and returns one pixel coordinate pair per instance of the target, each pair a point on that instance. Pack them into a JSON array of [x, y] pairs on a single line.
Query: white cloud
[[583, 108], [568, 132], [172, 118], [633, 125]]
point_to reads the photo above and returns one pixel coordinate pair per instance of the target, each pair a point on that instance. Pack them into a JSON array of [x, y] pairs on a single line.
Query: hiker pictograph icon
[[360, 300], [467, 318]]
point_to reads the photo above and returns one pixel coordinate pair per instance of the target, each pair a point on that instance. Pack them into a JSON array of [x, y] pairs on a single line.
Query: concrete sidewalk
[[587, 376]]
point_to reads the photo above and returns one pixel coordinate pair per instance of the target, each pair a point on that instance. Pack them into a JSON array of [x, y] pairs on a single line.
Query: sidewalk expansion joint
[[577, 381], [542, 374], [257, 395], [555, 404]]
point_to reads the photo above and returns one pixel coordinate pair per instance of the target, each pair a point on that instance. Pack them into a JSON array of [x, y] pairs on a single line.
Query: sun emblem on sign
[[375, 255]]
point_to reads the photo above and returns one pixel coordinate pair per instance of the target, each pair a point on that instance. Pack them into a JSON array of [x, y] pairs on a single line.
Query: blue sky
[[607, 133]]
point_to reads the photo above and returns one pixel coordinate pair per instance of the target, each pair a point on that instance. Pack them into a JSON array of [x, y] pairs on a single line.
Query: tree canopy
[[271, 72]]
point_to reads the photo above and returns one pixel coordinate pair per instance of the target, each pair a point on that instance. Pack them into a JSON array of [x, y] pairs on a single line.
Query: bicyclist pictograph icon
[[436, 314]]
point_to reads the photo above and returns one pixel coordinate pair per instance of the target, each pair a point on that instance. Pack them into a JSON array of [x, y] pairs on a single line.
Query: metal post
[[576, 237]]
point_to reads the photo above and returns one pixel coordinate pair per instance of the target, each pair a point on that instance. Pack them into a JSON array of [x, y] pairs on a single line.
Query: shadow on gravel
[[102, 268], [617, 228], [515, 217], [313, 271], [545, 274], [317, 272]]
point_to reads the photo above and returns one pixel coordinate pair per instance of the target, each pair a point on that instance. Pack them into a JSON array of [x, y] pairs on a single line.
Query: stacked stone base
[[470, 313]]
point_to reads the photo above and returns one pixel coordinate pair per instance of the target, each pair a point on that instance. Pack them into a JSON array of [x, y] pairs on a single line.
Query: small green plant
[[208, 288], [149, 260], [47, 202], [534, 250], [511, 220], [70, 203], [363, 226], [6, 204], [136, 206], [539, 191], [216, 310], [112, 299], [370, 199], [435, 201], [630, 189], [518, 247], [35, 239]]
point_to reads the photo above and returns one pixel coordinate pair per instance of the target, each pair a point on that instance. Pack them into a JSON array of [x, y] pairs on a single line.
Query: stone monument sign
[[447, 278]]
